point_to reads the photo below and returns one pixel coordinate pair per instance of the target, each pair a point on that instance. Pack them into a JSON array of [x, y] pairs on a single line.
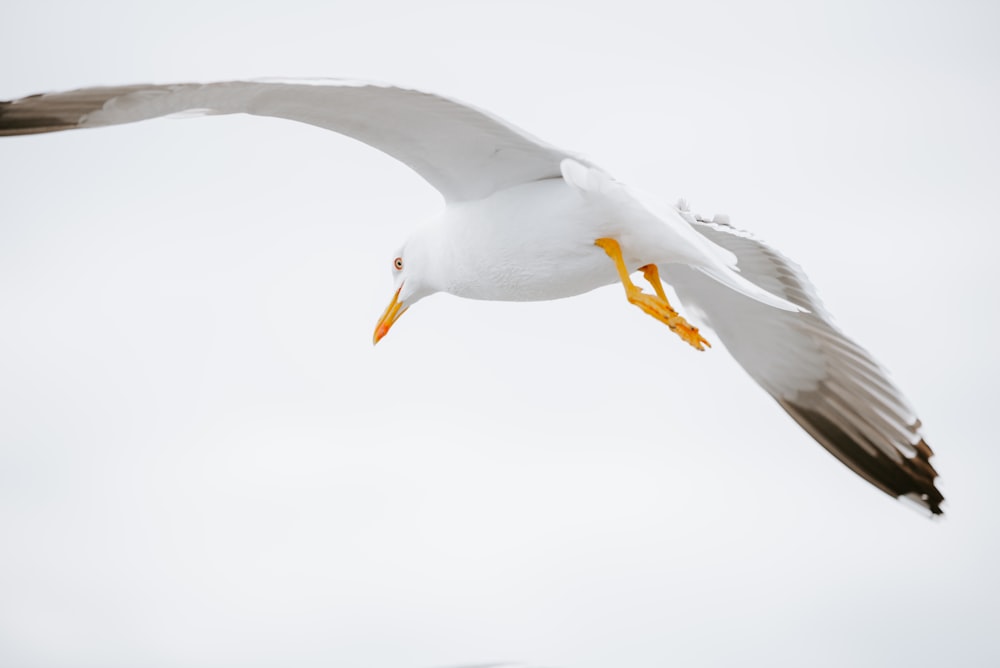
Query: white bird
[[527, 221]]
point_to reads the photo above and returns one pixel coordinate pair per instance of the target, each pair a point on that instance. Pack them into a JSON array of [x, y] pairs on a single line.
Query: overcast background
[[204, 462]]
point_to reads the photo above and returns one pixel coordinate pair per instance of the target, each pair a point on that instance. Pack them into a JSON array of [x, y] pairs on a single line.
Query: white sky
[[204, 462]]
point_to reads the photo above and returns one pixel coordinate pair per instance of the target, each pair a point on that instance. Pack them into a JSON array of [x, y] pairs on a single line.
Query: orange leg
[[657, 306]]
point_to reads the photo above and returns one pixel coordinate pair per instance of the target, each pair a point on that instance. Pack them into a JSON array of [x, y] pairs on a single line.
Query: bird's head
[[412, 274]]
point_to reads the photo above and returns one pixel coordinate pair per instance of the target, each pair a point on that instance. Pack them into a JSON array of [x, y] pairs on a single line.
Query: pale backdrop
[[205, 463]]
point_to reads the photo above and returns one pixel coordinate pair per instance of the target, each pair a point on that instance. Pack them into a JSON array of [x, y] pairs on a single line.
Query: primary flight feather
[[524, 220]]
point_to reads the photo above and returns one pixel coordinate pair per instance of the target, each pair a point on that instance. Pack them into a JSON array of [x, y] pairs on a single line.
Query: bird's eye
[[398, 264]]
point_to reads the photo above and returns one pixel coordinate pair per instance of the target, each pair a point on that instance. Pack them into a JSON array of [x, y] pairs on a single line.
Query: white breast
[[532, 242]]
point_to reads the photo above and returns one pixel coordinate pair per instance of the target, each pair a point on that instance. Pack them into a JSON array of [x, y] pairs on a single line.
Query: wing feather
[[828, 383], [464, 152]]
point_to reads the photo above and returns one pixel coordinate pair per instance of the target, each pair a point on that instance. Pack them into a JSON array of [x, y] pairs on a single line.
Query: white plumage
[[519, 223]]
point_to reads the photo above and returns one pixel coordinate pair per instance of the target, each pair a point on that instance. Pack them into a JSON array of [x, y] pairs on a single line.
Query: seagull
[[526, 221]]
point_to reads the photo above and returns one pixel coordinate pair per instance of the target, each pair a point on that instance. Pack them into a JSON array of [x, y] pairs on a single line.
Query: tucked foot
[[662, 311], [655, 305]]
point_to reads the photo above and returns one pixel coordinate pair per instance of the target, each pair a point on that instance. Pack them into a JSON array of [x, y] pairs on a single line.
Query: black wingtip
[[14, 121], [912, 478]]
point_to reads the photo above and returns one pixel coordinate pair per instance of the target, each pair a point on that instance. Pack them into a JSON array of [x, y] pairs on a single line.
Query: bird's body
[[530, 242], [535, 241], [526, 221]]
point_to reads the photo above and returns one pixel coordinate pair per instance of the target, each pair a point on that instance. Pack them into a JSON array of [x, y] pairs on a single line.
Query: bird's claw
[[655, 305], [662, 311]]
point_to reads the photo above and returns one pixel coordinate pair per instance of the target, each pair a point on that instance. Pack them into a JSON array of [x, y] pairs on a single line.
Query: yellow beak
[[388, 319]]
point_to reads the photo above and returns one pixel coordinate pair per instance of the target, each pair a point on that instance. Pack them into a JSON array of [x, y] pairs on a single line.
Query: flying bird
[[525, 221]]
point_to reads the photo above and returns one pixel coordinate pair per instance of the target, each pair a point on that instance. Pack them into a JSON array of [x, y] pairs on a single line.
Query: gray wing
[[830, 385], [462, 151]]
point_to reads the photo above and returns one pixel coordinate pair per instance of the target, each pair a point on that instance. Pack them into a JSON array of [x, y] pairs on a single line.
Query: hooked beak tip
[[391, 315]]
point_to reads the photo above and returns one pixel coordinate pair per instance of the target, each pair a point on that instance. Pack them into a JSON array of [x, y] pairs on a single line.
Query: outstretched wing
[[830, 385], [464, 152]]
